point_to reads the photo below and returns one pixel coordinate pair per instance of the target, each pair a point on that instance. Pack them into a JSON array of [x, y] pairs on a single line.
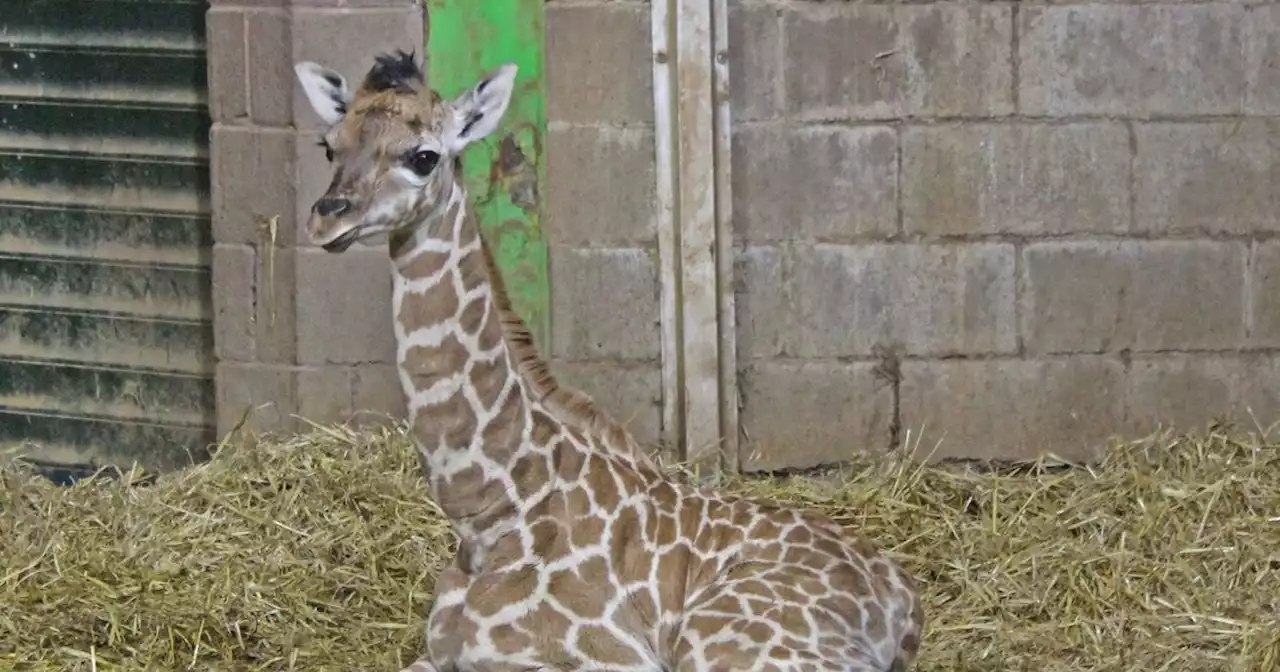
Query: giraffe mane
[[396, 71], [577, 408]]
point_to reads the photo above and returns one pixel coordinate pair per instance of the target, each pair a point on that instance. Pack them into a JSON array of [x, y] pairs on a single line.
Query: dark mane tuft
[[394, 71]]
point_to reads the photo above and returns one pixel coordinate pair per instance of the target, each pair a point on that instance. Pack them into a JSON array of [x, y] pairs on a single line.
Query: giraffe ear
[[478, 111], [326, 90]]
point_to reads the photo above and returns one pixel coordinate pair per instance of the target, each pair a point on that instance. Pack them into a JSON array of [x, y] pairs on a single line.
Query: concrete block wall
[[277, 298], [601, 208], [302, 332], [1018, 227]]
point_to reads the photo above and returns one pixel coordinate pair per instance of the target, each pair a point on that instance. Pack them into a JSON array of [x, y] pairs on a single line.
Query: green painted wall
[[503, 174]]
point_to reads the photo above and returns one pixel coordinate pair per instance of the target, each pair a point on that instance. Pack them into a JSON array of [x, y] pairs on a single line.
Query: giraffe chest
[[518, 620]]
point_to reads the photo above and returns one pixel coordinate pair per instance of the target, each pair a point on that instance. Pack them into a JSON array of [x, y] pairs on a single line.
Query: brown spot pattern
[[502, 435], [429, 307], [671, 579], [601, 483], [427, 365], [492, 591], [550, 540], [490, 333], [599, 644], [550, 624], [489, 378], [468, 492], [544, 429], [462, 631], [425, 264], [576, 595], [587, 531], [508, 640], [529, 473], [472, 316], [452, 420], [569, 461], [472, 271]]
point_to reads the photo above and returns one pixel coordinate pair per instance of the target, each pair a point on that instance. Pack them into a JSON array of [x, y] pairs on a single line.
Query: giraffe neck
[[469, 409]]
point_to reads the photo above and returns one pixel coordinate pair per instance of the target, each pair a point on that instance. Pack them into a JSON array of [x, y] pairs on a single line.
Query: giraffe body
[[576, 552]]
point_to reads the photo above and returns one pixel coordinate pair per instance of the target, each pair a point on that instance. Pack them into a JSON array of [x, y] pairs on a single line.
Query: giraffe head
[[394, 144]]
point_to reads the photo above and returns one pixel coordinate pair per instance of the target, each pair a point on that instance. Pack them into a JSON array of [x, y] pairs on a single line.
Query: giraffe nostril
[[332, 207]]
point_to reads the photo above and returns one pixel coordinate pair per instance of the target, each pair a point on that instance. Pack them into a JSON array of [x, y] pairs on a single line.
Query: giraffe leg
[[772, 618]]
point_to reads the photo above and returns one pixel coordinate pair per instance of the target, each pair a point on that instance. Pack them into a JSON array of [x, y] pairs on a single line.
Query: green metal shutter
[[106, 340]]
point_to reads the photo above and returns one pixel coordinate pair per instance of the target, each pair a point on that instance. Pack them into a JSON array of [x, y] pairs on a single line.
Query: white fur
[[486, 106], [327, 100]]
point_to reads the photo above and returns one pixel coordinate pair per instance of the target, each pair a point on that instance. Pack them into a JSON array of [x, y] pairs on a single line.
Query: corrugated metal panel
[[106, 341]]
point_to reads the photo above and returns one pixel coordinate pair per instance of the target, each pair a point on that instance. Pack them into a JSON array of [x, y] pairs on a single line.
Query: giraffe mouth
[[341, 243]]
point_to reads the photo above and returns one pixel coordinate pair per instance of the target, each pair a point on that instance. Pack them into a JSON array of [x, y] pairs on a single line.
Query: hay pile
[[319, 554]]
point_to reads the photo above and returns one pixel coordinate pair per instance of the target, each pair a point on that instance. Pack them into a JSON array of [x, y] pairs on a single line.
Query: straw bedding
[[319, 553]]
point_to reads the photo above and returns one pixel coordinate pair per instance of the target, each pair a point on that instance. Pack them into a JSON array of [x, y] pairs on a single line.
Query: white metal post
[[695, 239]]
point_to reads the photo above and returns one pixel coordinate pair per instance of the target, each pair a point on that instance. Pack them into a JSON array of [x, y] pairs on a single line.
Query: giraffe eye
[[423, 162]]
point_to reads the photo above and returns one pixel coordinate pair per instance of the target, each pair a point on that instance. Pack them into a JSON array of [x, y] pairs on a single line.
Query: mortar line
[[909, 120], [1056, 356], [1131, 135], [1010, 238], [1247, 304], [898, 196], [1019, 291], [1015, 59]]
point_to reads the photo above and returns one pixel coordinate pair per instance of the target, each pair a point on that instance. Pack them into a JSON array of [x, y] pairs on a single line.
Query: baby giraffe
[[575, 551]]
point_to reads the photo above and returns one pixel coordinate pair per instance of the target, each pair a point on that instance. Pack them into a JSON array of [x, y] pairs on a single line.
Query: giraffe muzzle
[[341, 243], [332, 207]]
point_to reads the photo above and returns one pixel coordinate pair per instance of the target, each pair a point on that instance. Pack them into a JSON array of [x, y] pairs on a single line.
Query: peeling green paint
[[504, 173]]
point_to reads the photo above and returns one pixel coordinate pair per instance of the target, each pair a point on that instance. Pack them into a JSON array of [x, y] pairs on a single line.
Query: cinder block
[[354, 4], [887, 61], [805, 414], [631, 393], [832, 65], [362, 35], [226, 54], [1146, 59], [314, 173], [324, 395], [263, 396], [1258, 397], [755, 61], [233, 272], [1262, 56], [271, 78], [761, 305], [604, 304], [927, 299], [1012, 409], [377, 395], [832, 184], [1026, 179], [242, 4], [253, 181], [275, 300], [1133, 295], [1265, 292], [351, 290], [1207, 178], [599, 68], [1180, 391], [600, 186], [959, 59]]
